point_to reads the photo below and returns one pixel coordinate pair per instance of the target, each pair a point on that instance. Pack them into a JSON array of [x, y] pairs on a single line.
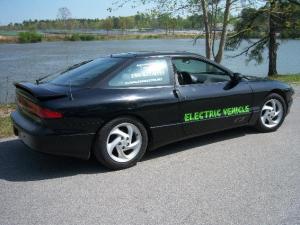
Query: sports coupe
[[120, 106]]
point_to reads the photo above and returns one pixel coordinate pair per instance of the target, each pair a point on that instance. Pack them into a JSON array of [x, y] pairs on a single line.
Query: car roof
[[150, 54], [145, 54]]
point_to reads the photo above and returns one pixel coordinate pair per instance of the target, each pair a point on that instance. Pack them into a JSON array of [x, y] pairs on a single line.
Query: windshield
[[82, 73]]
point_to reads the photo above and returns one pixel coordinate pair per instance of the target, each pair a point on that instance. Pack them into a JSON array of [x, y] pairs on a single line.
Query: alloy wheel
[[124, 142], [272, 113]]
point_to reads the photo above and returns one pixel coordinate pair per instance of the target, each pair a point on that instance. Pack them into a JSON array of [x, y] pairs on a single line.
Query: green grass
[[6, 129], [81, 37], [32, 37], [290, 78], [90, 37]]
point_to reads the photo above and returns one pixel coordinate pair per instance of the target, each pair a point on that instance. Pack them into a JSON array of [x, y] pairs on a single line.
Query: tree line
[[140, 21]]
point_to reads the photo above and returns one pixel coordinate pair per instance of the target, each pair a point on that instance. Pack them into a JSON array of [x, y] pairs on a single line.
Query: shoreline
[[90, 37], [82, 37]]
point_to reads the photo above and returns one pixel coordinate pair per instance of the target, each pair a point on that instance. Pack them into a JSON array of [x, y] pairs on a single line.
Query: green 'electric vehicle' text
[[216, 113]]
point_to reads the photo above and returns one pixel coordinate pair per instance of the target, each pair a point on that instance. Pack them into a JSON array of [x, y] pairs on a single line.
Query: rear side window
[[148, 72], [82, 73]]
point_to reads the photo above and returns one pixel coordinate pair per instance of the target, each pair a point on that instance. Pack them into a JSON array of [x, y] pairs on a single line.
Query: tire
[[270, 119], [121, 143]]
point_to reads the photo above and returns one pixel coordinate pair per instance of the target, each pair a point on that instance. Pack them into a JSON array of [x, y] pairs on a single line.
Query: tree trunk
[[272, 42], [214, 14], [220, 53], [207, 30]]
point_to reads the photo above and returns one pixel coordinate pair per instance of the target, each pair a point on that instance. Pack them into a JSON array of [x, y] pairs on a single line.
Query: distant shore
[[94, 37], [15, 39]]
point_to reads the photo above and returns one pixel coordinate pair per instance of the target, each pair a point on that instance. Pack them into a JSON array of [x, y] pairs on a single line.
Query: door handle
[[176, 93]]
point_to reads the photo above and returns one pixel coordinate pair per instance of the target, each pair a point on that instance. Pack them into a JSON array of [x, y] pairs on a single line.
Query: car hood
[[255, 78]]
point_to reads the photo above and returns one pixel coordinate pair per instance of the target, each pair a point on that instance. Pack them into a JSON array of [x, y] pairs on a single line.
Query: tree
[[126, 23], [164, 20], [108, 24], [272, 45], [216, 12], [173, 24], [266, 22], [64, 15], [210, 11]]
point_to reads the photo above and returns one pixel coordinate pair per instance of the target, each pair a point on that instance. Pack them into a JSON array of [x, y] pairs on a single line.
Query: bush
[[101, 37], [74, 37], [152, 36], [30, 37], [81, 37], [87, 37]]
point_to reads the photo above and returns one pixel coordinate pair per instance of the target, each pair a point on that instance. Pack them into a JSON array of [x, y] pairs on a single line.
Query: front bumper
[[44, 140], [289, 105]]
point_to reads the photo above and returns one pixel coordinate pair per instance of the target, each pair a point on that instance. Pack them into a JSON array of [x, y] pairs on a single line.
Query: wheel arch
[[281, 93]]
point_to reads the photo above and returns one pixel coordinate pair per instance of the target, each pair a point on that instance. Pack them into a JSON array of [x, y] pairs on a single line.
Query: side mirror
[[236, 77]]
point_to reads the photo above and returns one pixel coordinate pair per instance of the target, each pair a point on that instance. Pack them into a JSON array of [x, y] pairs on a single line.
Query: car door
[[209, 100], [145, 89]]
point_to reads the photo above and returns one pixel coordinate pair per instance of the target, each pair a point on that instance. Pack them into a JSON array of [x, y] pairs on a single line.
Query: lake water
[[27, 62]]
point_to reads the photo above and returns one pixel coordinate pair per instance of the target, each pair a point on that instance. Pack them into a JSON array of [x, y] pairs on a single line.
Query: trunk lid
[[30, 98], [42, 91]]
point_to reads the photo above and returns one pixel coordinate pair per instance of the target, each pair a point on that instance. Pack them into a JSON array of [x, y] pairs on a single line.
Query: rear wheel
[[272, 113], [121, 143]]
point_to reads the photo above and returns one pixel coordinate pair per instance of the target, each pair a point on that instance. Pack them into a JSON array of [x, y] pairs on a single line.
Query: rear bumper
[[45, 140]]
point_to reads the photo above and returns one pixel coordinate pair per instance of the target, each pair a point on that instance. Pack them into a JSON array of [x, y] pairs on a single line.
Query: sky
[[12, 11]]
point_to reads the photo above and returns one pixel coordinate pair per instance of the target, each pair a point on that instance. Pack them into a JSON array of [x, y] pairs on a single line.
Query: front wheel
[[121, 143], [272, 113]]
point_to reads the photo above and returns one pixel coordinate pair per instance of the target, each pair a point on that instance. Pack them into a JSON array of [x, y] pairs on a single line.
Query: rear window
[[82, 73]]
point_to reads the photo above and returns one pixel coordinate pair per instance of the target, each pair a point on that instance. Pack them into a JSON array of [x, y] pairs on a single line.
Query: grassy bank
[[29, 37], [5, 122], [291, 79], [5, 110], [6, 129], [8, 39]]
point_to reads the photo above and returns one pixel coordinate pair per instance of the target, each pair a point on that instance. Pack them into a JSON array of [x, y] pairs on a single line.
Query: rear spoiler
[[40, 93]]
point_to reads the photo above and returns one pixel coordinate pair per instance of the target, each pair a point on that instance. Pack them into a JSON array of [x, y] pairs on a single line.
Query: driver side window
[[193, 71]]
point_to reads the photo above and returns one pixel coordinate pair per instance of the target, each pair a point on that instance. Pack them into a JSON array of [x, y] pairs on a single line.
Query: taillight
[[46, 113], [37, 110]]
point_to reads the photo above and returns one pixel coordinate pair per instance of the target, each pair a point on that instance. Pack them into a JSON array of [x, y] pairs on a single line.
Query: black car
[[119, 106]]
